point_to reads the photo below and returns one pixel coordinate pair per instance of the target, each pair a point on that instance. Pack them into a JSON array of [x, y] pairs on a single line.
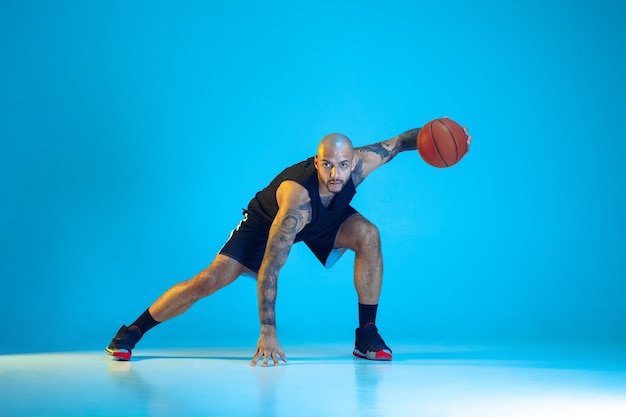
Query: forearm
[[267, 286], [407, 141], [281, 238], [382, 152], [267, 291]]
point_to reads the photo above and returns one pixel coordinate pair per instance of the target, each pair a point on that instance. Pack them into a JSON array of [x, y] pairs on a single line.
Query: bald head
[[333, 143], [334, 163]]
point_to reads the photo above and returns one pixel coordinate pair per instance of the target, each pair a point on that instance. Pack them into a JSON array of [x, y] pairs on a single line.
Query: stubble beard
[[331, 188]]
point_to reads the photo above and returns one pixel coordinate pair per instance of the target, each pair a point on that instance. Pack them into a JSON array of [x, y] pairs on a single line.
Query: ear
[[316, 162]]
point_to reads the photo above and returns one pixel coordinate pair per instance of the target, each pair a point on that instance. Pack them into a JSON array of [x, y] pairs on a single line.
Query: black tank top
[[264, 206]]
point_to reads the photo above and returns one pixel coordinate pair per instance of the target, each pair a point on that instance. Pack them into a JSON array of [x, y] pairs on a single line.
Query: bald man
[[308, 202]]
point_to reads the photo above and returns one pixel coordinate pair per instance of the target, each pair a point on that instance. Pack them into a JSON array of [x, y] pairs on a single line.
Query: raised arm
[[370, 157], [294, 209]]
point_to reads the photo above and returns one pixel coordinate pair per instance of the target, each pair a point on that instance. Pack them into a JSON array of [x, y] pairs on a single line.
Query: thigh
[[222, 271], [230, 267], [353, 231]]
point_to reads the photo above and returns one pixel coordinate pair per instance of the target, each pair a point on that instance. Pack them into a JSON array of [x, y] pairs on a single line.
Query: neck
[[326, 199]]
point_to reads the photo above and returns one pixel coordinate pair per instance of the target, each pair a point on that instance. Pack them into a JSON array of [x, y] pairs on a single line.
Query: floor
[[318, 381]]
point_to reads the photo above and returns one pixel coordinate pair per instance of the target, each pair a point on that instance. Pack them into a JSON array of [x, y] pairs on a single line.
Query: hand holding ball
[[442, 142]]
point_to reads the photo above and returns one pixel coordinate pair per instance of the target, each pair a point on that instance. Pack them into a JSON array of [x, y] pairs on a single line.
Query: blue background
[[133, 133]]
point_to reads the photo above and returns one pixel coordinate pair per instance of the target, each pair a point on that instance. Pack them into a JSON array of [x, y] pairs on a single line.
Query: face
[[334, 166]]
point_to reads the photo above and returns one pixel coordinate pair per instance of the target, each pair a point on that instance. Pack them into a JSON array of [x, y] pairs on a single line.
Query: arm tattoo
[[309, 211], [281, 237], [357, 173], [376, 148], [407, 141], [288, 227], [268, 303]]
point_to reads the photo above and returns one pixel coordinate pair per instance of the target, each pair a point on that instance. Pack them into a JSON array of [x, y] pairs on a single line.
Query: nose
[[333, 172]]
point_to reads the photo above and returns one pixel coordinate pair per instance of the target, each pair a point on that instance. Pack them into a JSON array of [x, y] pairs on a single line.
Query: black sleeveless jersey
[[264, 206]]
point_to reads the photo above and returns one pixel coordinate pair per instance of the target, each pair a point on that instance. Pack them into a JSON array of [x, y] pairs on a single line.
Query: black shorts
[[247, 242]]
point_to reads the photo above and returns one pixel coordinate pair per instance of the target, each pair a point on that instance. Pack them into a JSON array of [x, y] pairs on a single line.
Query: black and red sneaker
[[369, 344], [123, 343]]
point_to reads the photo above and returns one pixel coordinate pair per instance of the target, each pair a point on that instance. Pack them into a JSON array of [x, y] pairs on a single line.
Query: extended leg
[[175, 301]]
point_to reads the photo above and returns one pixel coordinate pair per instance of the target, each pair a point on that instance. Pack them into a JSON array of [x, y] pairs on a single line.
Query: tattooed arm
[[294, 210], [370, 157]]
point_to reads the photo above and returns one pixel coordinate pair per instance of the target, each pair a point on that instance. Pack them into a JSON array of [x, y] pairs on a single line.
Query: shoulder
[[291, 191], [291, 195]]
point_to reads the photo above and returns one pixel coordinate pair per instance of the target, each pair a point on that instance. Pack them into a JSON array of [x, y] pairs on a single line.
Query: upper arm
[[294, 212], [370, 157], [294, 201]]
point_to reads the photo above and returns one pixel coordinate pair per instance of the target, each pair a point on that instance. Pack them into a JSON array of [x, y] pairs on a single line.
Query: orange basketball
[[442, 142]]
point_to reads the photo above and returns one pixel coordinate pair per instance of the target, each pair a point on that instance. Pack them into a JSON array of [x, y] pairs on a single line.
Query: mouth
[[334, 183]]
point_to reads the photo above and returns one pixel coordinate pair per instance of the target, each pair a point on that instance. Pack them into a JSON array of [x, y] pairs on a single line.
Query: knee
[[368, 237]]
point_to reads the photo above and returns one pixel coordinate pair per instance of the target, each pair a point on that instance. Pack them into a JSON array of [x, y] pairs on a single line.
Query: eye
[[344, 165], [326, 165]]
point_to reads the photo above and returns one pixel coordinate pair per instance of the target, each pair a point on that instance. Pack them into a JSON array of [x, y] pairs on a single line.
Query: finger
[[282, 356], [265, 359], [257, 356], [275, 359]]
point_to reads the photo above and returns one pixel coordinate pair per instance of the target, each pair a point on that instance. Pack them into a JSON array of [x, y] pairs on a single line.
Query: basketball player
[[309, 202]]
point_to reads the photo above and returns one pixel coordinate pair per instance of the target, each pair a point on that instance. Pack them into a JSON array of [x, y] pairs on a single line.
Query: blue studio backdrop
[[132, 134]]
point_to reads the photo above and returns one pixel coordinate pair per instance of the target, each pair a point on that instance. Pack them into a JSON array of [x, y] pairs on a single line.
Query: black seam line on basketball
[[456, 145], [432, 135]]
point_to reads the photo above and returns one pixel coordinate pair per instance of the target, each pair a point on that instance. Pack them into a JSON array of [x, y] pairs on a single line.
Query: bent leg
[[175, 301], [358, 234]]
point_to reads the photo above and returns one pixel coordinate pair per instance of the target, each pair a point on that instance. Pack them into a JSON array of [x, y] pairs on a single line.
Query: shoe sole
[[381, 355], [119, 354]]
